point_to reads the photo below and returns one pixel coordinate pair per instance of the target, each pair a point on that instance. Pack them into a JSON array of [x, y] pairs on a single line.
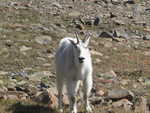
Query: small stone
[[108, 44], [147, 53], [108, 75], [9, 43], [97, 61], [43, 40], [56, 4], [135, 86], [2, 90], [124, 82], [24, 48], [80, 26], [65, 99], [3, 73], [119, 39], [89, 22], [96, 100], [11, 87], [100, 93], [115, 2], [96, 53], [147, 82], [53, 103], [74, 14], [23, 98]]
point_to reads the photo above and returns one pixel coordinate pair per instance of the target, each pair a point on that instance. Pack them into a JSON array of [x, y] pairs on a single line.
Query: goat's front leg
[[87, 86], [73, 87]]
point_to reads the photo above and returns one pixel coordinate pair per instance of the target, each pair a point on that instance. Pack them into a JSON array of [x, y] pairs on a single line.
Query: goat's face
[[81, 51]]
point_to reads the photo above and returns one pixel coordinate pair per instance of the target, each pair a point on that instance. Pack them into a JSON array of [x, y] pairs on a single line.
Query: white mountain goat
[[73, 64]]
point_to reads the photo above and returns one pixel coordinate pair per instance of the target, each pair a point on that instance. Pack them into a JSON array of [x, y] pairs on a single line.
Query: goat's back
[[64, 57]]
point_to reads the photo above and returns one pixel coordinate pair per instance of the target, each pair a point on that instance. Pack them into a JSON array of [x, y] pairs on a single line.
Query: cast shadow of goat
[[22, 108]]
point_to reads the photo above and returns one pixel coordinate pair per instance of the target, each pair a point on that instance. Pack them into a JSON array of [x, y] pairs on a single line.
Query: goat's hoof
[[60, 110], [73, 111], [88, 109]]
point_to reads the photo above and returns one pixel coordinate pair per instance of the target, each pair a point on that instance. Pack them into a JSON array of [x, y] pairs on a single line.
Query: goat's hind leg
[[60, 94]]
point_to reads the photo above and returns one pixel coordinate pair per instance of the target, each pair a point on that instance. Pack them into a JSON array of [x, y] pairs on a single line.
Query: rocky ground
[[30, 31]]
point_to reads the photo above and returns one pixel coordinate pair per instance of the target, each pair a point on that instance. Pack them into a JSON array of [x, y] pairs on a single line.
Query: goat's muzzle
[[81, 59]]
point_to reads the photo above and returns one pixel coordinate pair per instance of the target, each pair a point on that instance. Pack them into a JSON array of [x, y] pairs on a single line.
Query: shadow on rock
[[23, 108]]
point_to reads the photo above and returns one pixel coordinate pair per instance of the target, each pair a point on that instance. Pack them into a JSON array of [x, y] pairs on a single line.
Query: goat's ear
[[87, 40]]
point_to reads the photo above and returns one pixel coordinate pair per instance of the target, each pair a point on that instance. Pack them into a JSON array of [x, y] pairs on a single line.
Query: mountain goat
[[73, 64]]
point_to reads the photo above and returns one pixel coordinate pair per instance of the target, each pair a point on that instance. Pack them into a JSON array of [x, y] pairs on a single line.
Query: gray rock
[[22, 73], [97, 21], [89, 22], [38, 75], [146, 37], [11, 87], [116, 94], [119, 21], [129, 1], [121, 33], [108, 75], [47, 97], [106, 34]]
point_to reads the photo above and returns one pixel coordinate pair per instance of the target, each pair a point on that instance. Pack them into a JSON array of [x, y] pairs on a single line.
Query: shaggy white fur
[[73, 64]]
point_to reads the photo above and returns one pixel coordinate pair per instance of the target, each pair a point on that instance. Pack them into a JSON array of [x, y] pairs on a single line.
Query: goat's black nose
[[81, 59]]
